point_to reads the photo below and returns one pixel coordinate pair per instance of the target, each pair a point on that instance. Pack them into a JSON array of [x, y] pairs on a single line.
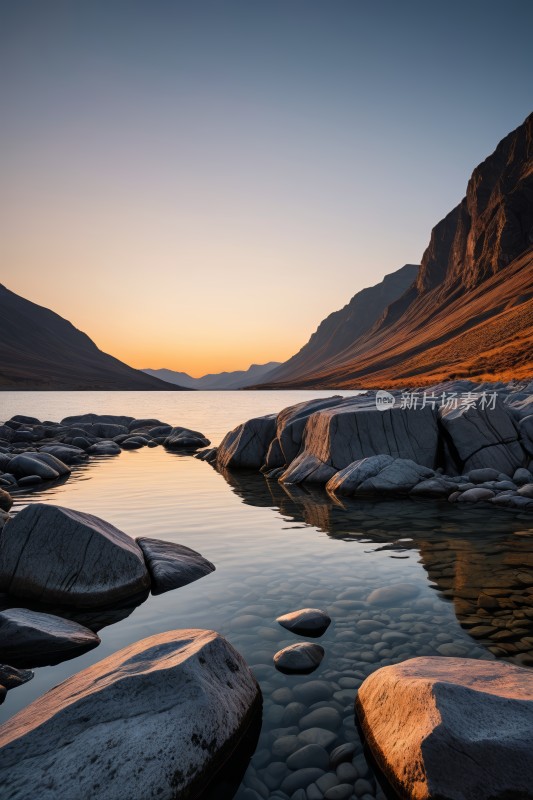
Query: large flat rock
[[57, 555], [451, 728], [157, 719]]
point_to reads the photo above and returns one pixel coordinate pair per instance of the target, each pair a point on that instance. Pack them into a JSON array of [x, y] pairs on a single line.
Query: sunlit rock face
[[156, 719], [452, 728]]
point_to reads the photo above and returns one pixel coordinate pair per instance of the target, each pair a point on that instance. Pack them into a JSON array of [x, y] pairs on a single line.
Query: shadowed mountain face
[[344, 327], [42, 351], [217, 381], [470, 311]]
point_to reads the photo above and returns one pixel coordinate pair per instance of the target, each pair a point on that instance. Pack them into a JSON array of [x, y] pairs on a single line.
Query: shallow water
[[278, 549]]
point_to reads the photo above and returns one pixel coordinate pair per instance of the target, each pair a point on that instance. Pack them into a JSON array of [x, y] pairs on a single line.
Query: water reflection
[[480, 559]]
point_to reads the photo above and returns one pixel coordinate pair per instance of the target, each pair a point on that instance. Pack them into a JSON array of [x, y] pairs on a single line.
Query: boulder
[[57, 555], [347, 480], [24, 464], [434, 487], [110, 419], [399, 477], [185, 439], [301, 658], [522, 476], [6, 433], [351, 431], [47, 458], [25, 420], [475, 495], [306, 621], [452, 728], [172, 565], [525, 430], [133, 442], [32, 639], [307, 468], [104, 448], [483, 437], [137, 424], [11, 677], [65, 453], [6, 501], [156, 719], [102, 430], [246, 446]]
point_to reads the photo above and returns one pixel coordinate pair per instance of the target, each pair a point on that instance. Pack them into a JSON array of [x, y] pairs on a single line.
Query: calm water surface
[[277, 549]]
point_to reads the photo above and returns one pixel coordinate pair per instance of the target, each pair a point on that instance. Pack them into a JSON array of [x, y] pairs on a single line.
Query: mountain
[[42, 351], [342, 328], [217, 381], [469, 313]]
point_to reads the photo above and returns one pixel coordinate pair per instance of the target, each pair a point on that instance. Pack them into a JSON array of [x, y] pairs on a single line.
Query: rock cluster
[[464, 451], [34, 452], [156, 719]]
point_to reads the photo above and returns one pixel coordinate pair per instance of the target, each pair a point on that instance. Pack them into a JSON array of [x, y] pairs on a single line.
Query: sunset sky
[[197, 184]]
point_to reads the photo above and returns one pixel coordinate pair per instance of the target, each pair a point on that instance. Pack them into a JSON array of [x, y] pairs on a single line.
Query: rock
[[133, 443], [32, 639], [525, 430], [156, 719], [347, 480], [209, 455], [483, 437], [475, 495], [172, 565], [458, 729], [522, 476], [185, 439], [310, 755], [483, 475], [399, 477], [526, 490], [351, 431], [25, 420], [53, 462], [6, 433], [30, 480], [433, 487], [81, 442], [246, 446], [57, 555], [110, 419], [4, 516], [306, 621], [6, 501], [300, 779], [65, 453], [137, 424], [10, 677], [104, 448], [302, 658], [392, 595], [23, 465]]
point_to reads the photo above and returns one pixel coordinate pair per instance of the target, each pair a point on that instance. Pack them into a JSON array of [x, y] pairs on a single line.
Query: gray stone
[[347, 480], [483, 437], [172, 565], [327, 718], [526, 490], [302, 657], [110, 419], [30, 480], [65, 453], [451, 728], [340, 792], [32, 639], [159, 716], [475, 495], [342, 753], [10, 677], [24, 465], [318, 736], [310, 755], [433, 487], [6, 501], [483, 475], [56, 555], [185, 439], [52, 461], [104, 448], [300, 779], [399, 477], [522, 476], [246, 446], [306, 621], [392, 595]]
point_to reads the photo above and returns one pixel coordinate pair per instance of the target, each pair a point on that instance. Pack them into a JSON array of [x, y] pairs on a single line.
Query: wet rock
[[185, 439], [433, 487], [393, 595], [105, 448], [110, 419], [32, 639], [6, 501], [302, 658], [522, 476], [451, 728], [310, 755], [475, 495], [57, 555], [347, 480], [300, 779], [156, 719], [30, 480], [133, 443], [246, 446], [11, 677], [399, 477], [526, 490], [138, 424], [23, 465], [483, 475], [65, 453], [52, 461], [172, 565], [306, 621]]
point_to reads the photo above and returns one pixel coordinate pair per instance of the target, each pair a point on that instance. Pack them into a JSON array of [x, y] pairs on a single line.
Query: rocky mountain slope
[[342, 328], [239, 379], [469, 313], [41, 350]]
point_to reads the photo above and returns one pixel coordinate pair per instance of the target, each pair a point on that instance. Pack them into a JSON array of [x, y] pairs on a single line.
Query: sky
[[197, 184]]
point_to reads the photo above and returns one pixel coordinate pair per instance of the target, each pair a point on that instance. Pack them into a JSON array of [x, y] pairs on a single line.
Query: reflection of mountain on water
[[479, 558]]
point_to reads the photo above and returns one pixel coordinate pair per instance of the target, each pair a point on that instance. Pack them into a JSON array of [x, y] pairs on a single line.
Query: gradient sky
[[197, 184]]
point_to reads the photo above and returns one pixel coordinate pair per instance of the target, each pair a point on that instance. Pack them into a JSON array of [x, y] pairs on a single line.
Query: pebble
[[311, 755], [300, 779], [319, 736]]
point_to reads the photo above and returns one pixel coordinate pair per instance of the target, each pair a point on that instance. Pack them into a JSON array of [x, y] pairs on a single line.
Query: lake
[[277, 549]]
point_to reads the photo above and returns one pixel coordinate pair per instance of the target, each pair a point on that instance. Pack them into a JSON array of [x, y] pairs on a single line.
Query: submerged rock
[[57, 555], [306, 621], [301, 658], [452, 728], [32, 639], [156, 719], [172, 565], [25, 465]]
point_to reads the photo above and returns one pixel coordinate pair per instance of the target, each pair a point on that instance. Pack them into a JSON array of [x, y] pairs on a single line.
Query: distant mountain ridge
[[222, 381], [469, 313], [39, 350]]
